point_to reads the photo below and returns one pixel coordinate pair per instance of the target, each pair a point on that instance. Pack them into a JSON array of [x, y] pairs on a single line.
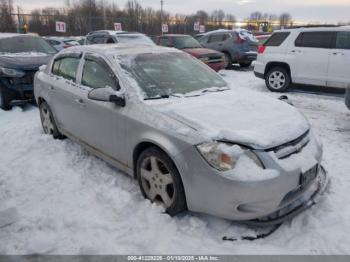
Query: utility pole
[[161, 15]]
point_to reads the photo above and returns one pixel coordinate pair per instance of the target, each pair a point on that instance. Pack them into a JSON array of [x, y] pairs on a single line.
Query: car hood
[[24, 61], [199, 52], [243, 117]]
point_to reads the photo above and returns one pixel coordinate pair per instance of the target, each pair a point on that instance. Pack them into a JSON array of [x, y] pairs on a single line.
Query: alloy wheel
[[157, 181], [46, 120], [277, 80]]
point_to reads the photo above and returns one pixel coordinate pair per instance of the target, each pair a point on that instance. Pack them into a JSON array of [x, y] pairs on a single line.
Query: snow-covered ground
[[62, 200]]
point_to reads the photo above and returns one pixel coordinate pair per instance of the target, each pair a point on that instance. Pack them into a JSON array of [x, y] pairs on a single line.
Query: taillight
[[66, 46], [261, 49]]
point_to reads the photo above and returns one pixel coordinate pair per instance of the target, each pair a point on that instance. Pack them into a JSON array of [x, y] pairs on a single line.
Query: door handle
[[296, 51], [338, 53], [51, 87]]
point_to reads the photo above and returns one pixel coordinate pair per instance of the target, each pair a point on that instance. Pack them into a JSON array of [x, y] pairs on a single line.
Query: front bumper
[[216, 66], [309, 198], [23, 91], [208, 191]]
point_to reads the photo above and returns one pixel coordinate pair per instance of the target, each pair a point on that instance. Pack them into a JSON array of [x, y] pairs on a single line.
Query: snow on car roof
[[10, 35], [121, 49]]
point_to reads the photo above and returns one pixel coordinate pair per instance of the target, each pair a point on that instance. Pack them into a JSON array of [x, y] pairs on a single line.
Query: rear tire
[[48, 122], [227, 61], [277, 79], [245, 64], [160, 180], [5, 98]]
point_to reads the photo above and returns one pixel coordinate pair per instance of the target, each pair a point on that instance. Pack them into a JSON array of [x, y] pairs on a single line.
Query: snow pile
[[24, 54]]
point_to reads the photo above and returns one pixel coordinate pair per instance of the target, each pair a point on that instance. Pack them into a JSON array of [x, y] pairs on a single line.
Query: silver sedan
[[190, 139]]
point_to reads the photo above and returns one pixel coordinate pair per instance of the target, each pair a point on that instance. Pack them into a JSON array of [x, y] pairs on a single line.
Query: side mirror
[[106, 94]]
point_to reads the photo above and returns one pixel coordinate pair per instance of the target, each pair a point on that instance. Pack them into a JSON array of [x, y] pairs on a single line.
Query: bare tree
[[6, 22], [256, 16], [285, 19]]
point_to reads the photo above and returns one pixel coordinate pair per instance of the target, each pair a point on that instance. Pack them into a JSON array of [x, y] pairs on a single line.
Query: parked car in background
[[79, 39], [311, 56], [347, 97], [169, 121], [20, 58], [111, 37], [60, 43], [188, 44], [238, 46]]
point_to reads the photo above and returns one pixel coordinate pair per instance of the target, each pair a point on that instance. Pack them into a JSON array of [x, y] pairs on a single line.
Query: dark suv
[[239, 45], [20, 58]]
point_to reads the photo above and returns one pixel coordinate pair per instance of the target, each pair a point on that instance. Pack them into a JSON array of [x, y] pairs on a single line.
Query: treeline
[[83, 16]]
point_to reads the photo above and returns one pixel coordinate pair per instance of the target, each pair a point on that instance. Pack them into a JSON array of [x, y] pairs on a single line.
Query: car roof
[[113, 32], [121, 49], [175, 35], [9, 35], [317, 29]]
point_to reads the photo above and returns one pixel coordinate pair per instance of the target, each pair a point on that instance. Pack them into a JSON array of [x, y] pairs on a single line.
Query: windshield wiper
[[162, 97]]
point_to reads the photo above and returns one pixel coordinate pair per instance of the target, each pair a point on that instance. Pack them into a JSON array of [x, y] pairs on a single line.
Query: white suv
[[313, 56]]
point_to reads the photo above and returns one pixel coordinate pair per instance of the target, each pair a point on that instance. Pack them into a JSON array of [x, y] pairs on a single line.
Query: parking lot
[[62, 200]]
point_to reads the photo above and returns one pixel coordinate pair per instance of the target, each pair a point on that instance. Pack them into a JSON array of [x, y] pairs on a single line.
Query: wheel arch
[[271, 65], [144, 145]]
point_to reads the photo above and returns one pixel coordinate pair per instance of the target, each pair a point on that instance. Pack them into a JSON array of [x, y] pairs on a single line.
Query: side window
[[315, 39], [343, 40], [100, 39], [216, 38], [56, 67], [226, 36], [277, 39], [204, 39], [164, 41], [97, 74], [66, 67]]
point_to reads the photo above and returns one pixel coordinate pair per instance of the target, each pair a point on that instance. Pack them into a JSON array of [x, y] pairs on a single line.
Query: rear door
[[339, 65], [64, 90], [309, 57]]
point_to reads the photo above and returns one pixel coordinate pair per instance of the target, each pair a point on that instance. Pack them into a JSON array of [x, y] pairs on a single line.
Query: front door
[[339, 66], [101, 125]]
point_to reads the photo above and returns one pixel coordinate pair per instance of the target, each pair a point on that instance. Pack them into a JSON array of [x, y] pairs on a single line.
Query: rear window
[[315, 39], [277, 39], [343, 40], [66, 67]]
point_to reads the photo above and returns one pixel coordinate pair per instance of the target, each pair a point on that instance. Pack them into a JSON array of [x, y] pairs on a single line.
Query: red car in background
[[188, 44]]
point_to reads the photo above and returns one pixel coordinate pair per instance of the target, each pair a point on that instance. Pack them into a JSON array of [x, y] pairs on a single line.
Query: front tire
[[48, 122], [160, 180], [277, 79], [5, 99]]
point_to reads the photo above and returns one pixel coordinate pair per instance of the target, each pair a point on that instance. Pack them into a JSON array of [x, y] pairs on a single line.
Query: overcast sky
[[330, 11]]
